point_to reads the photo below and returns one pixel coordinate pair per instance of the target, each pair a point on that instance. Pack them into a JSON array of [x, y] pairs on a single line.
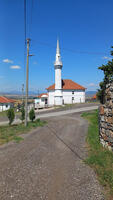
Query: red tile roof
[[42, 95], [6, 100], [68, 85], [94, 96]]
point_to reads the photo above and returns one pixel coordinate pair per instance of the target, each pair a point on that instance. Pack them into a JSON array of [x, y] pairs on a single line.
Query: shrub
[[22, 113], [32, 114], [10, 115], [108, 78]]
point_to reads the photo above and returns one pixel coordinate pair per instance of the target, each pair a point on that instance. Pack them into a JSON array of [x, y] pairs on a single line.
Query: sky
[[85, 31]]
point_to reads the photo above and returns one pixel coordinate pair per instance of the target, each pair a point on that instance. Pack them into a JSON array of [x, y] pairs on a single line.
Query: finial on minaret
[[58, 61], [58, 48]]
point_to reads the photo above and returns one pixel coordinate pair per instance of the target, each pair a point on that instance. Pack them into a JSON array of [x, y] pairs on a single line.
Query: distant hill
[[90, 93], [18, 94], [34, 93]]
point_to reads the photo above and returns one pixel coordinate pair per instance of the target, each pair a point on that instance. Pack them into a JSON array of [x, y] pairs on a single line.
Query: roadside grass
[[99, 158], [4, 113], [13, 132]]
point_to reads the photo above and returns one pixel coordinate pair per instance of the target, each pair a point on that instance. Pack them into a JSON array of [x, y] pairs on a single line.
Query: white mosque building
[[64, 91]]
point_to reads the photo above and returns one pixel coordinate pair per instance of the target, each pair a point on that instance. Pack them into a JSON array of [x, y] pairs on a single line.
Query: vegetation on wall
[[108, 77]]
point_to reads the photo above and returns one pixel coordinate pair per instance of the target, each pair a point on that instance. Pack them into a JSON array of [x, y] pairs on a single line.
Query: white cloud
[[35, 63], [92, 85], [15, 67], [106, 58], [7, 61]]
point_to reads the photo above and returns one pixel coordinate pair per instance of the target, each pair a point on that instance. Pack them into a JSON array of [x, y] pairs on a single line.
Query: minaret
[[58, 80]]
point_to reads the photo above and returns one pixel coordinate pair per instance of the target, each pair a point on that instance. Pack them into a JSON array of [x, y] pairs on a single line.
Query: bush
[[32, 114], [22, 113], [108, 78], [10, 115]]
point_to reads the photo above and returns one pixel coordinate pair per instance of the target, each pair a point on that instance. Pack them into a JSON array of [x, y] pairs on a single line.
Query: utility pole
[[27, 77]]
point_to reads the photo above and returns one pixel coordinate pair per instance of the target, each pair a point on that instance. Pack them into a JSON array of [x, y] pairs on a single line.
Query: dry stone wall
[[106, 119]]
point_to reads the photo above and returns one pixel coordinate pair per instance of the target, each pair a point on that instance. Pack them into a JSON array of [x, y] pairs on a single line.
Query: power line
[[24, 38], [25, 21], [31, 18], [70, 50]]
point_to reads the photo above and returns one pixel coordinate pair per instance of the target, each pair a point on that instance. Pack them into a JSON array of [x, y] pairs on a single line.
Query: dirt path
[[48, 164]]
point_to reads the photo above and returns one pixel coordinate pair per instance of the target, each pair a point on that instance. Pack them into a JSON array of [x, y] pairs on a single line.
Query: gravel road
[[55, 112], [48, 164]]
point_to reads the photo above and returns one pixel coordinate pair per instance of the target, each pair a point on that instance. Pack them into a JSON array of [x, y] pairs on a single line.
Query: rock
[[101, 110], [106, 119]]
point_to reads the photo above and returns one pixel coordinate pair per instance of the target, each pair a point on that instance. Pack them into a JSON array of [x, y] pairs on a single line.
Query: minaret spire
[[58, 48], [58, 78], [58, 57]]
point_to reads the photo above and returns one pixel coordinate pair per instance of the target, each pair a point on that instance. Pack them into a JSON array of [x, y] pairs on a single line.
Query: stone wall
[[106, 119]]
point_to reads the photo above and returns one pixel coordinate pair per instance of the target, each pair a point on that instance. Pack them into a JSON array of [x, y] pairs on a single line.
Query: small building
[[41, 101], [71, 93], [6, 103]]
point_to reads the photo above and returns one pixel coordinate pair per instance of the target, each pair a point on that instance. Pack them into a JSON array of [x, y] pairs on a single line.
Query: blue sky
[[85, 30]]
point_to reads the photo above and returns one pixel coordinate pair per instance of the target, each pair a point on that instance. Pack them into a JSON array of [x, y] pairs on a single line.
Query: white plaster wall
[[51, 97], [36, 101], [42, 102], [58, 84], [58, 100], [79, 96], [4, 107]]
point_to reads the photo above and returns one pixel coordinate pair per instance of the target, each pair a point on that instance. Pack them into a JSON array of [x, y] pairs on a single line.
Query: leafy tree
[[32, 115], [108, 78], [10, 115], [22, 113], [18, 106]]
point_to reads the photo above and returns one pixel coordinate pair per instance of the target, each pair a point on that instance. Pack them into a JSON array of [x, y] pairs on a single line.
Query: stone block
[[106, 111], [111, 95], [101, 110], [110, 120], [107, 132], [111, 134], [112, 111], [103, 130], [108, 97], [102, 118], [105, 138]]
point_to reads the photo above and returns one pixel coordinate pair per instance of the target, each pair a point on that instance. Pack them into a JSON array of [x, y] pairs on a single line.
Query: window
[[72, 92]]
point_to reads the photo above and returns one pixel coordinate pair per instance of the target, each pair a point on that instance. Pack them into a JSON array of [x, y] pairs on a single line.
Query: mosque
[[63, 91]]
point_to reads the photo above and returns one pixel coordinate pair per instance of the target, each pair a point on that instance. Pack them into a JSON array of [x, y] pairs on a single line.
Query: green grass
[[3, 113], [13, 132], [99, 158]]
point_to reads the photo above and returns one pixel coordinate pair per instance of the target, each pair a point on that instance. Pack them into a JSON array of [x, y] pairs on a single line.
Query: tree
[[32, 114], [10, 115], [108, 78], [22, 113], [18, 107]]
